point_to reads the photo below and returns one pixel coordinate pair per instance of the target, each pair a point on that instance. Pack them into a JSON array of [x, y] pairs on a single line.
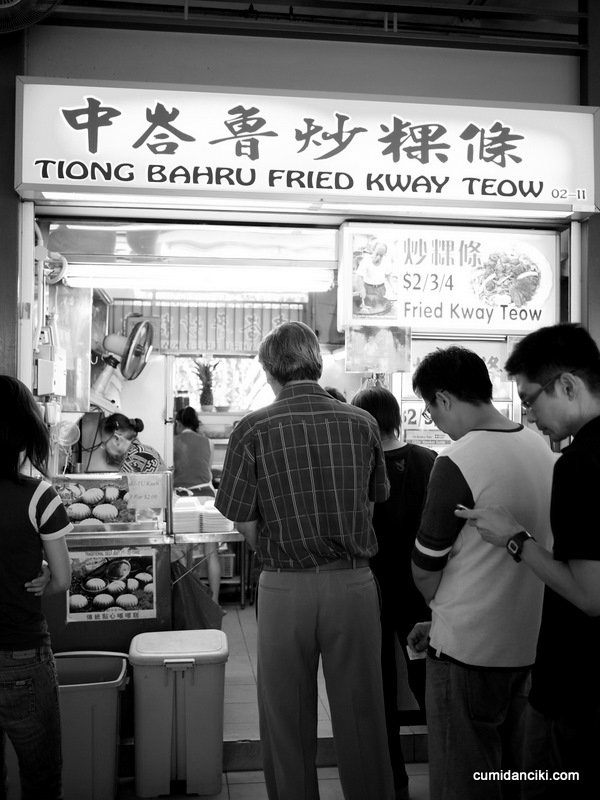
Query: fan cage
[[17, 15]]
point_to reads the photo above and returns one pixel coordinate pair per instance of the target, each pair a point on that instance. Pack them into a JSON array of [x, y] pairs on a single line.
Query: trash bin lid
[[204, 646]]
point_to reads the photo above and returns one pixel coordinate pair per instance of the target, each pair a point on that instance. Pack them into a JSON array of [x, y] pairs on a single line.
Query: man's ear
[[570, 384], [444, 397]]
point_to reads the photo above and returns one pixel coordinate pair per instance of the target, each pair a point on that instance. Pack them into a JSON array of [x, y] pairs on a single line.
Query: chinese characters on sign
[[436, 278], [166, 140], [419, 142]]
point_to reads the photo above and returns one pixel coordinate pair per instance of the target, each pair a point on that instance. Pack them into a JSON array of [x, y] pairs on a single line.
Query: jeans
[[475, 722], [30, 717], [570, 743]]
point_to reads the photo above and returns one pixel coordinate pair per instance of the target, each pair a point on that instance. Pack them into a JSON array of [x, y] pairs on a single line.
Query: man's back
[[486, 612], [309, 469]]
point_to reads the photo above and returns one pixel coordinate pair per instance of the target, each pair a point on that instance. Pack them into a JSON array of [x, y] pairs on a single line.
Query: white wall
[[293, 65]]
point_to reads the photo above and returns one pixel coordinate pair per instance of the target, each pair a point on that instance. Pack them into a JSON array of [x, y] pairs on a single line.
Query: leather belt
[[340, 563]]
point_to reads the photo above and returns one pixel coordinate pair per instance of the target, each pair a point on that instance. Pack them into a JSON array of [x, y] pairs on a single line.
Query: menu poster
[[112, 585], [370, 348], [445, 278]]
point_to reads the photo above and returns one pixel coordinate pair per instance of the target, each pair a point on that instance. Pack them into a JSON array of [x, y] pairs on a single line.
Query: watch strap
[[516, 542]]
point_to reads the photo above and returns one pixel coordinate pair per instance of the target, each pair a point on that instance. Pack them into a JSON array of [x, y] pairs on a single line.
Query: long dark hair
[[23, 434]]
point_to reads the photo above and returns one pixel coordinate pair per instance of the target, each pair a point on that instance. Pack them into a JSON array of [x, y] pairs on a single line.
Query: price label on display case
[[147, 490]]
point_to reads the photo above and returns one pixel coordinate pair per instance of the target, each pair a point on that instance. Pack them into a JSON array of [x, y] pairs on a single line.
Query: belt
[[340, 563]]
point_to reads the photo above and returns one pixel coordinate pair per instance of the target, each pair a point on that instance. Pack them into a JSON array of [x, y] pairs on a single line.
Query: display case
[[120, 550], [114, 505]]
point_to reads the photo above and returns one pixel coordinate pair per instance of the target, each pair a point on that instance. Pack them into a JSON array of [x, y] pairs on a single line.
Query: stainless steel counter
[[201, 538], [112, 539]]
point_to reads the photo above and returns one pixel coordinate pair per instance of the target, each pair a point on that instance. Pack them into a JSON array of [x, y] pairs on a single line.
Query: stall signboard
[[112, 585], [88, 137], [452, 279]]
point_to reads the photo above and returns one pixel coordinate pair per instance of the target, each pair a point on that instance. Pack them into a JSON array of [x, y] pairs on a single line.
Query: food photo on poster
[[112, 585], [519, 275]]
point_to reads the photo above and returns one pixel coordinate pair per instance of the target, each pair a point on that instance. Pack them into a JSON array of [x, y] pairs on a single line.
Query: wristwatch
[[516, 542]]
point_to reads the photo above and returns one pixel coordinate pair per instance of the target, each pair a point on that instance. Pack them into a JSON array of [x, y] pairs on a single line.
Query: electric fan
[[16, 15], [125, 359]]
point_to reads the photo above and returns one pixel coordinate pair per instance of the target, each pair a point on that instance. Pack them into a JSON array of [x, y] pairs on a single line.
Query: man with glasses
[[557, 371], [485, 612]]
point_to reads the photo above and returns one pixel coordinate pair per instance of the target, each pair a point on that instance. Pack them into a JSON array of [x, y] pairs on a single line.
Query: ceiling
[[537, 26]]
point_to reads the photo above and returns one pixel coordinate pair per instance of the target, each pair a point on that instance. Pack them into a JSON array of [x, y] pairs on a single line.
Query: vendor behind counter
[[111, 444]]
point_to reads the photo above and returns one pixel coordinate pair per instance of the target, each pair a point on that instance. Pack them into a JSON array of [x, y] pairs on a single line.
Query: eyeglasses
[[527, 402], [426, 413]]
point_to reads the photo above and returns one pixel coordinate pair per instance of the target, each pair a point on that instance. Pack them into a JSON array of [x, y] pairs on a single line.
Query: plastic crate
[[227, 564]]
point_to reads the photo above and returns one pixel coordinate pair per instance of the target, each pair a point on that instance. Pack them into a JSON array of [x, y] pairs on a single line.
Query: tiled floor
[[251, 786], [241, 711], [242, 779]]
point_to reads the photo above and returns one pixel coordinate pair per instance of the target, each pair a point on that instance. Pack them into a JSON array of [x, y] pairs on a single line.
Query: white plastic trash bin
[[89, 694], [178, 690]]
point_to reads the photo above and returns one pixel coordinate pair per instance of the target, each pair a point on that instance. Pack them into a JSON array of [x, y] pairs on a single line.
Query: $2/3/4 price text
[[427, 282]]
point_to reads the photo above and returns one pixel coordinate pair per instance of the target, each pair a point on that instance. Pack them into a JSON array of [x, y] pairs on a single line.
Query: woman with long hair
[[33, 525]]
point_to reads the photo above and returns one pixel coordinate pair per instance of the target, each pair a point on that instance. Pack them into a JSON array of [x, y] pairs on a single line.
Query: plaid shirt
[[305, 467]]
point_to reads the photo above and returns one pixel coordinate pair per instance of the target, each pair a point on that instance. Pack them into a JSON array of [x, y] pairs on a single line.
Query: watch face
[[512, 547]]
